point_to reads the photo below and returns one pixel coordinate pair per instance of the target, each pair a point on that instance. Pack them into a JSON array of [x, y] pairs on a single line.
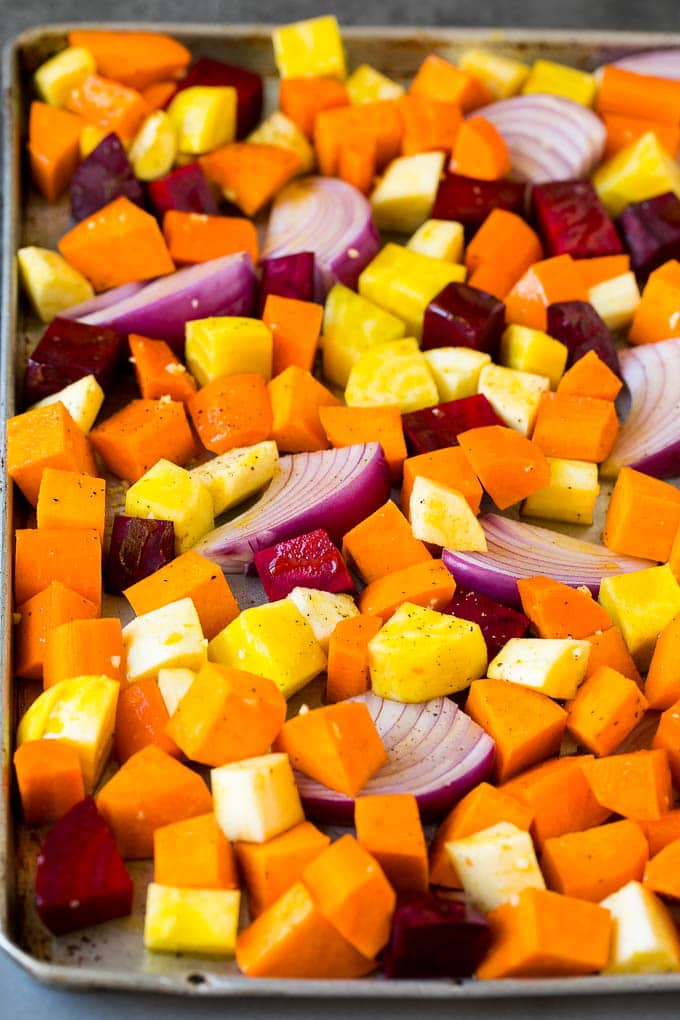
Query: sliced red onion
[[101, 301], [329, 489], [161, 309], [329, 217], [659, 63], [549, 138], [516, 549], [434, 751], [650, 438]]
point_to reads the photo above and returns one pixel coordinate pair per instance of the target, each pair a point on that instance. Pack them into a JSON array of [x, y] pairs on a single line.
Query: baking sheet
[[112, 955]]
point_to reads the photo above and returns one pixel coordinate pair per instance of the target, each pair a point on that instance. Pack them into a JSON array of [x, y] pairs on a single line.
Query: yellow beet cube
[[168, 492], [57, 77], [403, 198], [366, 85], [456, 370], [227, 344], [351, 325], [641, 170], [166, 638], [515, 396], [279, 130], [440, 239], [154, 147], [52, 284], [394, 373], [204, 117], [553, 666], [82, 399], [616, 300], [503, 76], [191, 920], [531, 350], [570, 496], [559, 80], [234, 476], [641, 604], [310, 49]]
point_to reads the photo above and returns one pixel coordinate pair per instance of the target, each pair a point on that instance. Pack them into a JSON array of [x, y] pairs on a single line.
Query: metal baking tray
[[112, 955]]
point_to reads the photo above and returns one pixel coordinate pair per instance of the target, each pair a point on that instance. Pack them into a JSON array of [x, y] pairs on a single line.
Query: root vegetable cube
[[651, 231], [82, 399], [366, 85], [279, 130], [555, 79], [348, 656], [194, 854], [403, 198], [45, 437], [531, 350], [545, 283], [448, 466], [557, 610], [154, 147], [569, 496], [515, 396], [270, 868], [573, 221], [580, 428], [42, 613], [51, 283], [645, 940], [49, 778], [191, 920], [427, 584], [224, 345], [389, 828], [382, 543], [434, 936], [635, 785], [57, 76], [42, 556], [145, 432], [456, 370], [607, 648], [256, 799], [498, 623], [642, 170], [554, 666], [351, 325], [607, 707], [323, 610], [166, 638], [442, 516], [589, 376], [296, 399], [232, 412], [204, 117], [495, 865], [138, 548], [69, 499], [661, 873], [53, 148], [234, 476], [463, 316], [509, 466], [643, 516], [84, 646], [502, 75], [167, 492], [440, 239], [576, 324], [392, 373], [310, 49], [435, 428], [616, 300], [667, 737], [641, 604], [67, 351], [591, 864], [173, 685]]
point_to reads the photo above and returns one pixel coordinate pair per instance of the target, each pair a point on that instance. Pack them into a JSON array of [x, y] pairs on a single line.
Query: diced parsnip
[[531, 350], [351, 325], [173, 684], [191, 920], [403, 198], [503, 76], [560, 80], [154, 147], [456, 370], [440, 239], [166, 638], [495, 864], [234, 476], [393, 373], [443, 516], [366, 85], [82, 399], [323, 610], [641, 170], [52, 284], [226, 344], [310, 49], [256, 799], [645, 940], [616, 300], [57, 77], [514, 395], [641, 604], [570, 496], [277, 129], [204, 117], [170, 493], [553, 666]]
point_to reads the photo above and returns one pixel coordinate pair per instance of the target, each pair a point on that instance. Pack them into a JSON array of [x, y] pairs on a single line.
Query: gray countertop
[[20, 995]]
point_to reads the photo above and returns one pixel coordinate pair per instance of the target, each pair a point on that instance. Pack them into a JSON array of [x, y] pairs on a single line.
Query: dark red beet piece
[[435, 936], [651, 232], [69, 350], [290, 276], [102, 176], [139, 546], [311, 561], [185, 189], [572, 220], [81, 879], [462, 316], [470, 201], [498, 623], [439, 426], [580, 328], [248, 85]]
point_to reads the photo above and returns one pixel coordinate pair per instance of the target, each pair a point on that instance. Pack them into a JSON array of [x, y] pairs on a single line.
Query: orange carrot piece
[[39, 616], [378, 124], [388, 826], [427, 584], [438, 79], [356, 162], [479, 809], [662, 687], [271, 868], [383, 543], [674, 558], [158, 371], [429, 124], [296, 397], [558, 611], [84, 647], [636, 785], [49, 778], [53, 148], [553, 279], [300, 99], [158, 95], [42, 556], [607, 707], [601, 268], [590, 865], [509, 466], [194, 854], [347, 673], [662, 874], [293, 939], [45, 437], [607, 648], [525, 725], [150, 790], [118, 244], [504, 240], [250, 174], [450, 467], [145, 431], [345, 426], [232, 411], [480, 151], [667, 738], [295, 327], [496, 278], [137, 59], [638, 95], [197, 237], [623, 130], [659, 832], [338, 745], [580, 428], [642, 517], [141, 721], [108, 104], [70, 499], [590, 377], [656, 316], [352, 892]]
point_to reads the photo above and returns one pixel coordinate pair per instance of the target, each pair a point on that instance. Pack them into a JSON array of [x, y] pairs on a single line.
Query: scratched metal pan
[[112, 955]]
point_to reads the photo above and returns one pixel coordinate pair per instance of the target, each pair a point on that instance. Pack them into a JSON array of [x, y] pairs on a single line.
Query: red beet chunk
[[290, 276], [434, 936], [651, 231], [102, 176], [436, 427], [572, 220], [580, 328], [139, 547], [69, 350], [470, 201], [462, 316], [248, 87], [311, 561], [497, 622], [80, 878], [185, 189]]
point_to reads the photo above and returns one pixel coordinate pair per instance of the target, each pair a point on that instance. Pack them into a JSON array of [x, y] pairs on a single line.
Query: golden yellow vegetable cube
[[616, 300], [204, 117], [503, 76], [440, 239], [166, 638], [226, 344], [403, 198], [62, 73], [645, 939], [456, 370], [167, 492], [570, 496], [234, 476], [191, 920], [553, 666], [82, 399], [514, 395], [366, 85], [351, 325], [256, 798], [641, 170], [531, 350], [394, 373], [310, 49], [52, 284], [559, 80], [442, 516], [641, 604], [154, 147]]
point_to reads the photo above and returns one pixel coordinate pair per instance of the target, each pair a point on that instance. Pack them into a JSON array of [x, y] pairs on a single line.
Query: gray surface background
[[20, 995]]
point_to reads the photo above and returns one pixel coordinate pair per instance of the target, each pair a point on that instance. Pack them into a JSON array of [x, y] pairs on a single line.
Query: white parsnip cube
[[323, 610], [256, 799], [616, 300], [167, 638], [234, 476], [645, 939], [277, 129], [570, 496], [403, 198], [456, 370], [443, 516], [167, 492], [553, 666], [57, 77], [52, 284], [154, 147], [440, 239], [496, 864], [82, 399], [191, 920], [173, 684], [514, 395]]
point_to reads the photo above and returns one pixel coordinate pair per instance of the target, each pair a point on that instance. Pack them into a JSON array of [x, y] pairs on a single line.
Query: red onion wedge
[[101, 301], [650, 438], [329, 217], [549, 138], [659, 63], [161, 309], [329, 489], [519, 550], [434, 751]]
